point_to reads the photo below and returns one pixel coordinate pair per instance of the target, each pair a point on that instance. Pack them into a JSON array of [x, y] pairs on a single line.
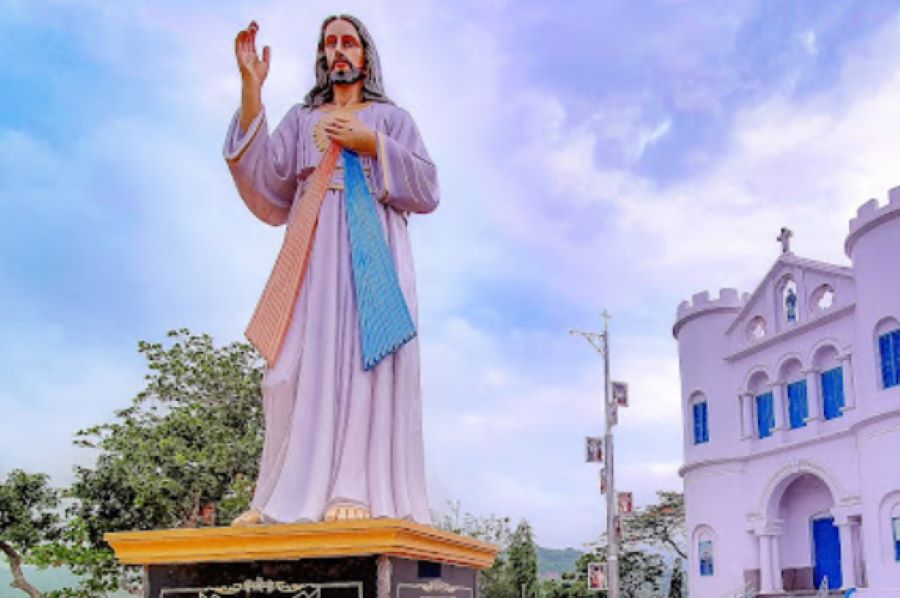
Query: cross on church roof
[[785, 239]]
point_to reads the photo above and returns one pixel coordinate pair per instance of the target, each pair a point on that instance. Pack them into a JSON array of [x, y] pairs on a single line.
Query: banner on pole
[[625, 501], [596, 575], [593, 449], [603, 481], [620, 393], [612, 413]]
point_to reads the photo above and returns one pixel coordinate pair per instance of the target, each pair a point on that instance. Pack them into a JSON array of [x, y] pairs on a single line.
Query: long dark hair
[[373, 88]]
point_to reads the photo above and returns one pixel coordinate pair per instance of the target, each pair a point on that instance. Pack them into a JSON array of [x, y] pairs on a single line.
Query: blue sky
[[619, 154]]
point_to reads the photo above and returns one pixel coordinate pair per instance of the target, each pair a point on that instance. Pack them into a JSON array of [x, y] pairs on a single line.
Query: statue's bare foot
[[347, 512], [251, 517]]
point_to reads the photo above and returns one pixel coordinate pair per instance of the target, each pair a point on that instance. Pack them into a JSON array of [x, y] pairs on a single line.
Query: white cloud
[[809, 42]]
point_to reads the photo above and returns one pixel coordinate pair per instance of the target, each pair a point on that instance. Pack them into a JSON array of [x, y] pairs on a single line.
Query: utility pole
[[600, 342]]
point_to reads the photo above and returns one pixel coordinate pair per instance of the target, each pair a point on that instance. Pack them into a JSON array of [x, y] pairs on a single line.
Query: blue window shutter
[[760, 416], [765, 414], [701, 423], [886, 345], [797, 406], [896, 351], [833, 392], [827, 394], [896, 525], [697, 431], [837, 377], [804, 402], [794, 405], [705, 421]]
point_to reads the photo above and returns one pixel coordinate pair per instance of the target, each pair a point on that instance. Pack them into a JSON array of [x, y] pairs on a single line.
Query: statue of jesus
[[336, 323]]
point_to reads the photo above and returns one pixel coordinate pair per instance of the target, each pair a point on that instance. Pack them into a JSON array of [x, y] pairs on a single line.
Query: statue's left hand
[[351, 133]]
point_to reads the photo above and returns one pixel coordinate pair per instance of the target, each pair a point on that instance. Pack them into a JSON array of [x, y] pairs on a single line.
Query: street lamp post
[[600, 342]]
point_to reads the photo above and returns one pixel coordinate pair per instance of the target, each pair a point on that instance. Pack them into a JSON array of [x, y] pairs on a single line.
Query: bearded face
[[344, 53]]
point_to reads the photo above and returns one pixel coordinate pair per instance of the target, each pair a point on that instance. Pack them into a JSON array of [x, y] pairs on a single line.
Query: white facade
[[785, 489]]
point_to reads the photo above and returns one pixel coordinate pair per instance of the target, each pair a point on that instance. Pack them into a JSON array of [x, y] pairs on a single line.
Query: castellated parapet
[[702, 304], [870, 215]]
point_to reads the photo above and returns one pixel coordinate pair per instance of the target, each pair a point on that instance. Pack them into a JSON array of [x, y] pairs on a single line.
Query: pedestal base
[[361, 559]]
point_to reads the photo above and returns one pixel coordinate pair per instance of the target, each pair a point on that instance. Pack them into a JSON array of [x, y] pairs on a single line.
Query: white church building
[[791, 407]]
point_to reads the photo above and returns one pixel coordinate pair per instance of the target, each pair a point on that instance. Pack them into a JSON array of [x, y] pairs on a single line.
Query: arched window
[[700, 412], [705, 556], [763, 403], [703, 539], [888, 333]]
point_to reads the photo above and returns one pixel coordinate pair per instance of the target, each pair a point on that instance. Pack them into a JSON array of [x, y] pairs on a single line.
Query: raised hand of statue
[[351, 133], [253, 69]]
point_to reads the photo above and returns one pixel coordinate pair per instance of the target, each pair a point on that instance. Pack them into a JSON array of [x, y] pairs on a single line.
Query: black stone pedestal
[[374, 558], [341, 577]]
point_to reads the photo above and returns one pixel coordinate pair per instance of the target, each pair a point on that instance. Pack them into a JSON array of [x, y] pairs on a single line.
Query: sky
[[591, 155]]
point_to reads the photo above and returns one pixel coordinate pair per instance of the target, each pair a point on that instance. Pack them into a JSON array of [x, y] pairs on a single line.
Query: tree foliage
[[640, 575], [28, 518], [522, 563], [676, 584], [516, 567], [493, 529], [492, 582], [183, 454], [652, 536], [660, 525]]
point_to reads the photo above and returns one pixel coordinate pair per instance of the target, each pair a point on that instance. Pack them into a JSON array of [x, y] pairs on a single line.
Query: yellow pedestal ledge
[[391, 537]]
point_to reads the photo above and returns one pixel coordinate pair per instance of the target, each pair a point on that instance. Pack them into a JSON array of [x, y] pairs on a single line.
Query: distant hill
[[553, 562]]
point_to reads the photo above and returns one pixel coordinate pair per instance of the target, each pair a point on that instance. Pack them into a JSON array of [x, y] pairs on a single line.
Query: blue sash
[[385, 323]]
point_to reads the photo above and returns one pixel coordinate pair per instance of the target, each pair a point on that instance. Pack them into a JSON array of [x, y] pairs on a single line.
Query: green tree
[[676, 585], [522, 564], [640, 574], [649, 534], [28, 518], [183, 454], [660, 525], [494, 581]]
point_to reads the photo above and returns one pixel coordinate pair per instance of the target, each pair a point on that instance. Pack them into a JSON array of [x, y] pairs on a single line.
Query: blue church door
[[827, 551]]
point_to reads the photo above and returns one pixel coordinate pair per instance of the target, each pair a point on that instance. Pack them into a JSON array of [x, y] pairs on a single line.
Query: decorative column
[[746, 405], [848, 562], [777, 581], [779, 400], [765, 563], [813, 394], [849, 388]]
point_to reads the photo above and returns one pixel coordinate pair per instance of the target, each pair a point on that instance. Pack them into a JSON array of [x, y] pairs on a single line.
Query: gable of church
[[795, 290]]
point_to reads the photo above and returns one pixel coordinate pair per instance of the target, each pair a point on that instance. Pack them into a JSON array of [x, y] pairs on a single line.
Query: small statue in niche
[[790, 303]]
